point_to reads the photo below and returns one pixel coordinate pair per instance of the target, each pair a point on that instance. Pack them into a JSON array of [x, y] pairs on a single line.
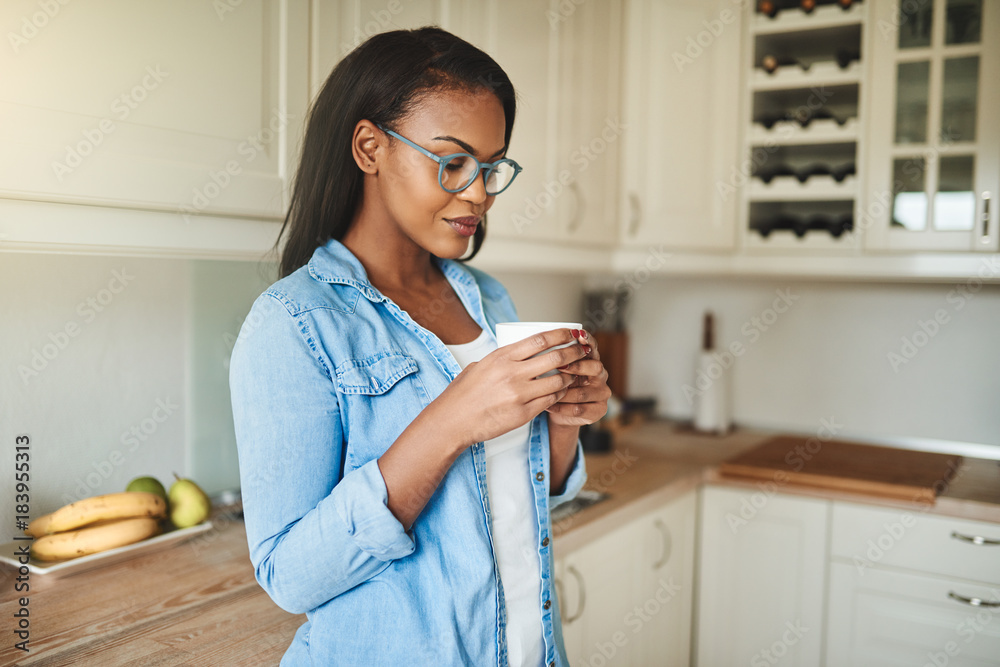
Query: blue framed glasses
[[458, 171]]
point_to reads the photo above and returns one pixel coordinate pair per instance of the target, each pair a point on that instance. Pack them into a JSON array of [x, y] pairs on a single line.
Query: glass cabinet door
[[934, 137]]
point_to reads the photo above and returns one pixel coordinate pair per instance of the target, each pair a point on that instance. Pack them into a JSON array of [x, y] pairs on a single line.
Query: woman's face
[[444, 122]]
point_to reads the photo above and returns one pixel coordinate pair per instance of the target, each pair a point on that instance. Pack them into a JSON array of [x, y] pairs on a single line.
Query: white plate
[[108, 557]]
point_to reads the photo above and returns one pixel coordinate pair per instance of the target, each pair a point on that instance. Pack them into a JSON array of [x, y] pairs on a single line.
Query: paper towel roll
[[711, 406]]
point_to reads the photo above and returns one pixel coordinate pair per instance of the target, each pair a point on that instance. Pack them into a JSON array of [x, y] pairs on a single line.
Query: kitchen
[[144, 183]]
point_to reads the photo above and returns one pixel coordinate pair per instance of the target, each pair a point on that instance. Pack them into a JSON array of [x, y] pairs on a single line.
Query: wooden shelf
[[788, 188], [793, 76], [824, 16]]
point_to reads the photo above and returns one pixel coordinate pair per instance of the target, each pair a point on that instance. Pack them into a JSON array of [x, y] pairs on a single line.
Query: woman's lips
[[464, 226]]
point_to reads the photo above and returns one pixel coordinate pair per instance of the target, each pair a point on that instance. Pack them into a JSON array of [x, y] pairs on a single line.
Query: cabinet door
[[597, 601], [338, 27], [681, 113], [761, 580], [881, 618], [933, 134], [590, 125], [519, 35], [661, 620], [187, 107]]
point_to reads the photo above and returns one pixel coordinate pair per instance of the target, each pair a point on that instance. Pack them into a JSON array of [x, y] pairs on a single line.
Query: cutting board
[[847, 466]]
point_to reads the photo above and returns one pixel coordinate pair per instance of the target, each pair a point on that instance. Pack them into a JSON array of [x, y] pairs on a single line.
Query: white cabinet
[[934, 140], [666, 583], [596, 599], [761, 578], [626, 597], [886, 618], [563, 59], [190, 109], [590, 125], [337, 27], [681, 99], [907, 588]]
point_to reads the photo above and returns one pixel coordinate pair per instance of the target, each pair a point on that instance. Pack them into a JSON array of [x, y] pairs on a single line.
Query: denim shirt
[[325, 375]]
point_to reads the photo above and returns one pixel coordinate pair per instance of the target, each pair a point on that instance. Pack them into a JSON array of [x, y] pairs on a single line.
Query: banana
[[39, 526], [76, 543], [124, 505]]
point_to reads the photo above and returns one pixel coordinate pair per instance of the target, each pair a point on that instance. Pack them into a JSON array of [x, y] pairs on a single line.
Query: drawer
[[892, 618], [874, 536]]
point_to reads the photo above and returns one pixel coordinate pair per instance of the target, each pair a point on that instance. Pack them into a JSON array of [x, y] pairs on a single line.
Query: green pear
[[189, 505], [148, 485]]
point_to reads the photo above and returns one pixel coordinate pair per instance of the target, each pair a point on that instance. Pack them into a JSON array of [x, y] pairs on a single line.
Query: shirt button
[[539, 476], [548, 603], [545, 541]]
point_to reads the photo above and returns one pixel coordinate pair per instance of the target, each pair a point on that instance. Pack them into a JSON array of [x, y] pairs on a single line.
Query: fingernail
[[587, 349], [583, 334], [575, 332], [562, 368]]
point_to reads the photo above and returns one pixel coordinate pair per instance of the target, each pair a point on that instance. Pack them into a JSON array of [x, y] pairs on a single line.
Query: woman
[[401, 501]]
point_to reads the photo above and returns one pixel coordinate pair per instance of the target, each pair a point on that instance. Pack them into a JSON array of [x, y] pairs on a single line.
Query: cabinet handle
[[978, 540], [668, 543], [583, 594], [974, 602], [636, 213], [985, 236], [574, 220]]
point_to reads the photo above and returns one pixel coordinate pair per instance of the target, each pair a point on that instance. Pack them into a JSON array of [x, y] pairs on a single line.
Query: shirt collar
[[334, 263]]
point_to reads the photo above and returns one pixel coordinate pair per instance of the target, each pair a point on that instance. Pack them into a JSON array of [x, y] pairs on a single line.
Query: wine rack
[[803, 98]]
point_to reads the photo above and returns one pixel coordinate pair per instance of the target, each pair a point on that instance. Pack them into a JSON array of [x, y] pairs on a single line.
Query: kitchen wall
[[876, 359], [118, 367]]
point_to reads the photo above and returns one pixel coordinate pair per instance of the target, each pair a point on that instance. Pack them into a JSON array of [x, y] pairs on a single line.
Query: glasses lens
[[458, 172], [498, 178]]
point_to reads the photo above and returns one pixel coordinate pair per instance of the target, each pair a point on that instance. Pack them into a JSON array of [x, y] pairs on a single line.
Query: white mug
[[512, 332]]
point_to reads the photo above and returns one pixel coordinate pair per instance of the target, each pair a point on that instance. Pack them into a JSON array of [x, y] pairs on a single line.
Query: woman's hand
[[586, 400], [504, 391]]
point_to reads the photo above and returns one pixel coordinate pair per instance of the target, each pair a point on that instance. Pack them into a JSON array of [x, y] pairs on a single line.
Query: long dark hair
[[380, 81]]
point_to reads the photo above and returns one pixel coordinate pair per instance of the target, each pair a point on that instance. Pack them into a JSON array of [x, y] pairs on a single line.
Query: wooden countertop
[[656, 461], [197, 603]]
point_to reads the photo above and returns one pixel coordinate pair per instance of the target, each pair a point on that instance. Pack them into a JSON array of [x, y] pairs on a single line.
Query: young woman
[[397, 467]]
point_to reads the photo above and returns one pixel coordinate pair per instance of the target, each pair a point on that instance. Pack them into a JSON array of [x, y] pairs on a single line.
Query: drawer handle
[[978, 540], [668, 544], [583, 594], [973, 602]]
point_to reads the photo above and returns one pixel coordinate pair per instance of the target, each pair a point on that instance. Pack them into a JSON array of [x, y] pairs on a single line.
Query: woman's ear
[[365, 146]]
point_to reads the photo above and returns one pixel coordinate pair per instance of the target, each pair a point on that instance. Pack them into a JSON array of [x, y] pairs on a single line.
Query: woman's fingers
[[532, 345]]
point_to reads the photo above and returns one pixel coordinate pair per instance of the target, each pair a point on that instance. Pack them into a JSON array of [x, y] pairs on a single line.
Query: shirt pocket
[[374, 375], [380, 396]]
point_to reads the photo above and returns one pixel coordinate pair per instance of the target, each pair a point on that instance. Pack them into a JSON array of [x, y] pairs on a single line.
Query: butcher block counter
[[197, 603]]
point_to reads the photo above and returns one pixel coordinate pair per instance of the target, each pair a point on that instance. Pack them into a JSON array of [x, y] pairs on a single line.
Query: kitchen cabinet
[[590, 126], [666, 583], [934, 154], [196, 131], [337, 27], [908, 588], [681, 110], [762, 577], [563, 60], [626, 597]]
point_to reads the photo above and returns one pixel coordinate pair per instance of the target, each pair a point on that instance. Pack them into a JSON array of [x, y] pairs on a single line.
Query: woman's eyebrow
[[466, 147]]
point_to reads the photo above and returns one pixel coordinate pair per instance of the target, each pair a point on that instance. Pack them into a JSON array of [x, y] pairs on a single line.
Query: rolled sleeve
[[362, 506], [577, 478]]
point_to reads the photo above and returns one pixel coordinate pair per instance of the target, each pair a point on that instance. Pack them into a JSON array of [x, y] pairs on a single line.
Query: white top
[[515, 527]]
